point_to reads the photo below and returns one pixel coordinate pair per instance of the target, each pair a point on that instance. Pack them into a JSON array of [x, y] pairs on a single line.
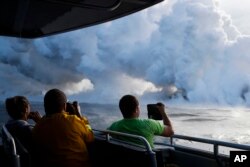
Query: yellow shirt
[[60, 140]]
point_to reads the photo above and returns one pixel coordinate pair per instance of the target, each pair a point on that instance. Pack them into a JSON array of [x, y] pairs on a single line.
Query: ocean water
[[226, 124]]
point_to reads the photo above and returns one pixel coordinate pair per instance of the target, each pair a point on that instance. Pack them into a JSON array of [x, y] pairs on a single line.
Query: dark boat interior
[[39, 18]]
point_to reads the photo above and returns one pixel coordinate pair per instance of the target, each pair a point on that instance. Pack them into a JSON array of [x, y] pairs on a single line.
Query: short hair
[[127, 105], [54, 101], [16, 106]]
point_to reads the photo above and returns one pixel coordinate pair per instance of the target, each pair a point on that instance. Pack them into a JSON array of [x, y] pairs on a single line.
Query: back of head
[[54, 101], [127, 105], [17, 106]]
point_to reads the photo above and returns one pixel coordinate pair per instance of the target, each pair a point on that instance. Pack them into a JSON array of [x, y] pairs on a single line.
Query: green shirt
[[142, 127]]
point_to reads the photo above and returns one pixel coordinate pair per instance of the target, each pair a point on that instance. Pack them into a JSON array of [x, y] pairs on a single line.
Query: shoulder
[[64, 116], [18, 124], [118, 122], [115, 124], [58, 119], [74, 120], [19, 127], [150, 121]]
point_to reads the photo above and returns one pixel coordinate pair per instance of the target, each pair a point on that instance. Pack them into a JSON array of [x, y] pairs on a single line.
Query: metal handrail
[[215, 143], [142, 139], [210, 141]]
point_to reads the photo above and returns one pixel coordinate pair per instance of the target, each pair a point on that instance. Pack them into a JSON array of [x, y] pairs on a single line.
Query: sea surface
[[225, 124]]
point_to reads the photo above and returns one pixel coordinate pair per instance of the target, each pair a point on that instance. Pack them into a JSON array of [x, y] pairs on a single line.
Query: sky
[[195, 48], [239, 13]]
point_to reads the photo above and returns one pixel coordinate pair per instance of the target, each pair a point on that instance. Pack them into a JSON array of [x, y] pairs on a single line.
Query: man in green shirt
[[131, 123]]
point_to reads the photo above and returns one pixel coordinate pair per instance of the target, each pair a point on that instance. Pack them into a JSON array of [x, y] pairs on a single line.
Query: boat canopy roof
[[39, 18]]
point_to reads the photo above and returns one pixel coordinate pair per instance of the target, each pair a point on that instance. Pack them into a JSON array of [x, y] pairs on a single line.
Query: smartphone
[[153, 112]]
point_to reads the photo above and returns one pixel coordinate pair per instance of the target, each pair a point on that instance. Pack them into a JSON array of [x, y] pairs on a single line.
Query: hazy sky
[[191, 44], [239, 12]]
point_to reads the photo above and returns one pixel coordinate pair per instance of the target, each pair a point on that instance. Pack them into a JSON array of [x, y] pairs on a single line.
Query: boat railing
[[109, 133], [198, 147], [174, 150], [216, 144]]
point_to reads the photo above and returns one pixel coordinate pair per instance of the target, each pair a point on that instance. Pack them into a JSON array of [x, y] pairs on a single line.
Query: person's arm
[[89, 135], [89, 132], [35, 116], [168, 128], [78, 112]]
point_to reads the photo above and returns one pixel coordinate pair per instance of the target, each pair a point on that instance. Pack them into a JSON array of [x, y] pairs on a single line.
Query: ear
[[137, 110], [65, 107], [26, 113]]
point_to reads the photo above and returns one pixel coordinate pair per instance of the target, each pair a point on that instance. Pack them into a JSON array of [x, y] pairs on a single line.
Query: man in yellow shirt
[[61, 139]]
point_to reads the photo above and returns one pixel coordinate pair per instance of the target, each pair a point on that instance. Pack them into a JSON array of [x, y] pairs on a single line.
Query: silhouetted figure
[[131, 123], [18, 108], [60, 138]]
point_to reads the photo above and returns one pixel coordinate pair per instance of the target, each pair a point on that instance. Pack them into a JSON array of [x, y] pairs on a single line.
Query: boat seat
[[117, 153], [164, 156], [17, 155]]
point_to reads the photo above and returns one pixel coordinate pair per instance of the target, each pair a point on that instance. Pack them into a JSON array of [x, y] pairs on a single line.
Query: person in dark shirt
[[18, 108]]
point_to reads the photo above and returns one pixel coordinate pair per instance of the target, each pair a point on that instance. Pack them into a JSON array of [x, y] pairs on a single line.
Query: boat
[[112, 152], [41, 18]]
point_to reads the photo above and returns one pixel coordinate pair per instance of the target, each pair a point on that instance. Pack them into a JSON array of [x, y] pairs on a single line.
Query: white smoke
[[189, 44]]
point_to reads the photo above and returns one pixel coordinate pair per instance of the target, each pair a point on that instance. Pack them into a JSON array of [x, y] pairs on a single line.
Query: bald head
[[54, 101], [128, 105]]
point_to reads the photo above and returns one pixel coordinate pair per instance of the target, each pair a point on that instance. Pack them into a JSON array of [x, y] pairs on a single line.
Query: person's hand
[[161, 108], [77, 108], [35, 116], [168, 129]]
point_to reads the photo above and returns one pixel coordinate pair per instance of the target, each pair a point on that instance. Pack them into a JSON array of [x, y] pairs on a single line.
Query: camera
[[153, 112], [73, 108]]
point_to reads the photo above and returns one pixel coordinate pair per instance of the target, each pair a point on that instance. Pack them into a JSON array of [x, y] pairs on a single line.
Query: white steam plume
[[190, 44]]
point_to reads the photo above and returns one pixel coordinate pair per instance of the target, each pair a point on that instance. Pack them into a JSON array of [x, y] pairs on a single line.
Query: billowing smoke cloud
[[186, 46]]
